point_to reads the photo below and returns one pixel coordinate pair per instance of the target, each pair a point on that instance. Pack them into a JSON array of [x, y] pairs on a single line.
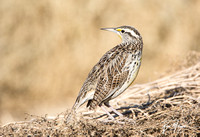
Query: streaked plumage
[[114, 72]]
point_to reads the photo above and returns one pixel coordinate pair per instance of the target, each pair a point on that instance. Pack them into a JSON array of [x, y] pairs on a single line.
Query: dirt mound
[[168, 106]]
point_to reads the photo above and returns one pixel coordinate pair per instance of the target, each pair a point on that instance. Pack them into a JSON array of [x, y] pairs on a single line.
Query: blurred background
[[47, 48]]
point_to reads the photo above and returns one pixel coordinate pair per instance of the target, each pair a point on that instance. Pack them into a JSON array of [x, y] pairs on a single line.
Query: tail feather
[[73, 111], [80, 101]]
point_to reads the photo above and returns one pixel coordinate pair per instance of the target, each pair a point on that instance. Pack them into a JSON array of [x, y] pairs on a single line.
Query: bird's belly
[[132, 75]]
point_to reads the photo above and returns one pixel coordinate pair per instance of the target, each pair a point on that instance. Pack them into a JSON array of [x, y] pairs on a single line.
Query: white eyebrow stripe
[[132, 32]]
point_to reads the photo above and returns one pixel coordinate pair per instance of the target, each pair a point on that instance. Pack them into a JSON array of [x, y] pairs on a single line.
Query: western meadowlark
[[114, 72]]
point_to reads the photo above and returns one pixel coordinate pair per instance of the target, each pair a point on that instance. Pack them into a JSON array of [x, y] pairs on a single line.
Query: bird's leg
[[104, 109], [114, 110], [118, 113]]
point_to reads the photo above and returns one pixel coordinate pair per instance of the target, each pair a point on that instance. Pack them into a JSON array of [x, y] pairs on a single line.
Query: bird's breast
[[132, 65]]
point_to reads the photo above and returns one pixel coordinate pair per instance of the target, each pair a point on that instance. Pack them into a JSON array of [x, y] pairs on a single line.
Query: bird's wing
[[112, 78], [89, 87]]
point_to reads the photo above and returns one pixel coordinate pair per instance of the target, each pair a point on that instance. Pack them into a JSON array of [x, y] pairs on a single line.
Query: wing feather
[[110, 80]]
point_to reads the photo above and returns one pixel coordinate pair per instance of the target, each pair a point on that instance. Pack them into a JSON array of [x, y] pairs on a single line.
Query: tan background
[[47, 48]]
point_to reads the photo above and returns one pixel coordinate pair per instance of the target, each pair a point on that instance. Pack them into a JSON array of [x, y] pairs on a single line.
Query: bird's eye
[[122, 31]]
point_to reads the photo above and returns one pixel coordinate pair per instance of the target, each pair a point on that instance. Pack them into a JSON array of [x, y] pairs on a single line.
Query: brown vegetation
[[169, 106], [48, 47]]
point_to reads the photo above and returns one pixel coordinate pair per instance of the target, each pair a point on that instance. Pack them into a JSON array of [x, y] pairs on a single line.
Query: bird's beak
[[112, 30]]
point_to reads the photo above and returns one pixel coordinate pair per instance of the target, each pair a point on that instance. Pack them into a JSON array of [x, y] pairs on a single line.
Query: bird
[[113, 73]]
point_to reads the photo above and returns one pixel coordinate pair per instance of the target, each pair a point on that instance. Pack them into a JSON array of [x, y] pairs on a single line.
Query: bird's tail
[[73, 111], [79, 101]]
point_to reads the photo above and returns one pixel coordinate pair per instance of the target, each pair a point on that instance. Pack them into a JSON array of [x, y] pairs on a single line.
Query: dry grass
[[169, 106], [48, 47]]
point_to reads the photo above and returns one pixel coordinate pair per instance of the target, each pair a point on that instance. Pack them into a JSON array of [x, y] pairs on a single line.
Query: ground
[[169, 106]]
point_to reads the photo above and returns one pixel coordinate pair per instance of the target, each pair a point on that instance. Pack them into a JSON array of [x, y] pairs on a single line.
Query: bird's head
[[126, 33]]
